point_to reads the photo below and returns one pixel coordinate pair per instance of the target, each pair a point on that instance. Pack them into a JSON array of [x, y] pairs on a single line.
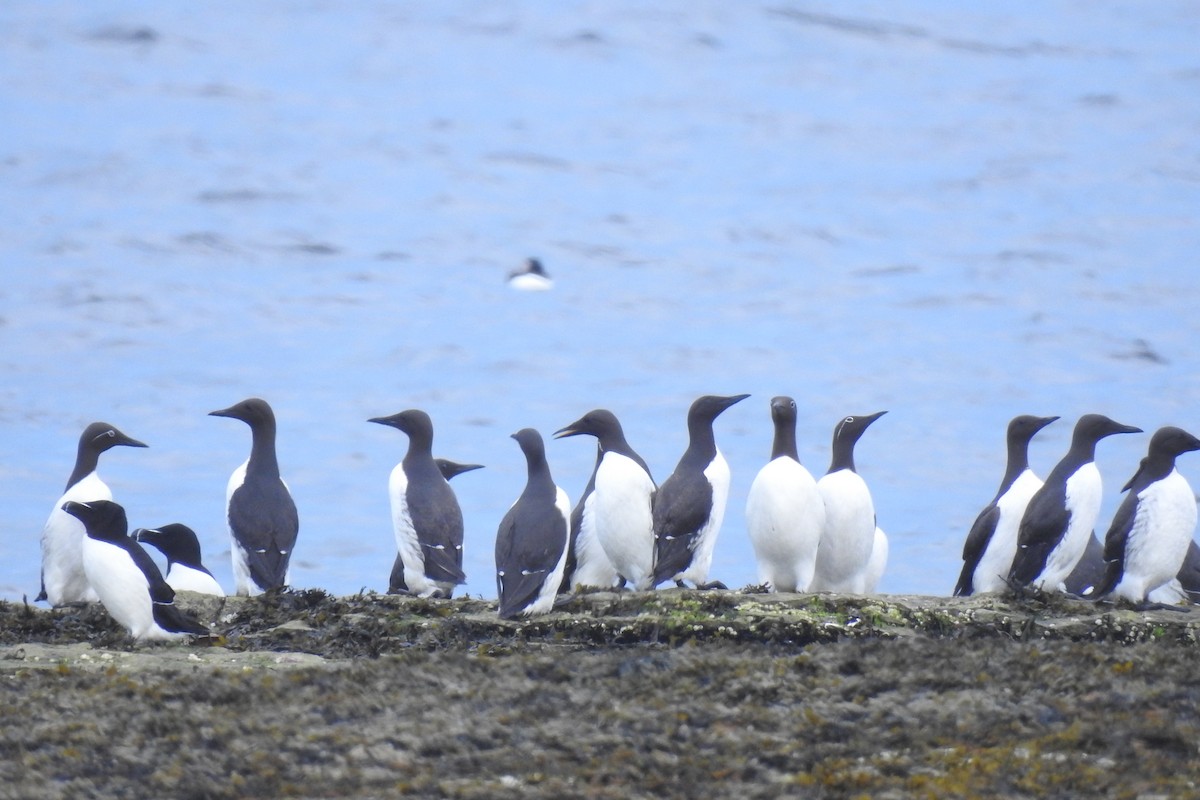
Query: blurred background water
[[955, 213]]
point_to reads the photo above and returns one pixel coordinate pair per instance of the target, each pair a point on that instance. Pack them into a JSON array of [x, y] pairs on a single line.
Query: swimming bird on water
[[690, 504], [612, 530], [848, 538], [531, 277], [185, 572], [426, 518], [1054, 530], [531, 542], [992, 542], [784, 511], [63, 579], [125, 578], [1150, 534], [263, 523]]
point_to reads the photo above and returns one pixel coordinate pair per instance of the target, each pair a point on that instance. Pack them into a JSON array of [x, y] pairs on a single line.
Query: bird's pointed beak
[[129, 441], [142, 534], [562, 433], [1127, 429], [71, 506], [224, 412]]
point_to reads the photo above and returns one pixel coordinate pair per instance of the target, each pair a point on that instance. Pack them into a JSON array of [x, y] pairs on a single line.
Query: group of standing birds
[[628, 531], [1041, 534]]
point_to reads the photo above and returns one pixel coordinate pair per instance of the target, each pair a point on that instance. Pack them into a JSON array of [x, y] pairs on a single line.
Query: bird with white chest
[[63, 579], [849, 535], [612, 528], [1061, 515], [1150, 534], [262, 517], [426, 518], [991, 543], [127, 581], [185, 570], [531, 542], [690, 505], [784, 510]]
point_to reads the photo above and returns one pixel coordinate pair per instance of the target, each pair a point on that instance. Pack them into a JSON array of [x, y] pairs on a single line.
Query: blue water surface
[[955, 213]]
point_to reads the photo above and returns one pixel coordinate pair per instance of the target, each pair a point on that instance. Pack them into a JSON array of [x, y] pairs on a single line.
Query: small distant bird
[[531, 543], [990, 546], [1061, 515], [426, 518], [450, 470], [784, 511], [531, 277], [63, 578], [1149, 537], [690, 504], [849, 534], [263, 522], [612, 530], [126, 578], [185, 572]]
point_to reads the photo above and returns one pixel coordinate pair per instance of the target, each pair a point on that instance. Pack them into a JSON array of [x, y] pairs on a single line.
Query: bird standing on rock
[[426, 518], [848, 538], [612, 528], [990, 546], [126, 579], [63, 579], [531, 543], [690, 504], [1060, 516], [1149, 537], [263, 523], [784, 511]]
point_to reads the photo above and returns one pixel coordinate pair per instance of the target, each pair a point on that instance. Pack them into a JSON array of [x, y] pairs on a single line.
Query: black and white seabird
[[124, 576], [63, 578], [426, 518], [1149, 537], [690, 504], [185, 572], [784, 511], [450, 470], [1061, 514], [531, 277], [992, 542], [844, 555], [263, 522], [531, 543], [612, 530]]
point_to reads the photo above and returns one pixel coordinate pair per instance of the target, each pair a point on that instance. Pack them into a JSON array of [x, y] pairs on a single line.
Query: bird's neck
[[785, 441]]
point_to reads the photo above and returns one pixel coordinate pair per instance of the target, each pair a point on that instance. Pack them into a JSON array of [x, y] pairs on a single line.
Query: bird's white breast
[[1084, 490], [183, 578], [849, 532], [121, 586], [1158, 541], [624, 525], [996, 562], [784, 518], [592, 565]]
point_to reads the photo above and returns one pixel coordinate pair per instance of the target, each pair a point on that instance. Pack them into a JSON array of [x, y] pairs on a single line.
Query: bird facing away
[[612, 530], [126, 579], [1054, 530], [262, 517], [531, 543], [63, 578], [450, 470], [690, 504], [531, 277], [849, 534], [784, 511], [992, 542], [426, 518], [185, 572], [1149, 537]]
